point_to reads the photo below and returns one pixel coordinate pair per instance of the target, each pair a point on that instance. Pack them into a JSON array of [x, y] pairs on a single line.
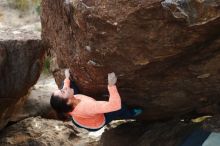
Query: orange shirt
[[89, 113]]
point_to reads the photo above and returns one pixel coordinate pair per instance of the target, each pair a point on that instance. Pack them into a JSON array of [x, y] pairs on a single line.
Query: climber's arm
[[114, 103], [67, 80]]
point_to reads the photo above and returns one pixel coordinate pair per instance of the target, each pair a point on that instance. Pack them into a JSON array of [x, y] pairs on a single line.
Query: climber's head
[[60, 104]]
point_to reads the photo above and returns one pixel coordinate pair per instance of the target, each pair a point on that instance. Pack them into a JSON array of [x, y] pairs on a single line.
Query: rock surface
[[42, 132], [171, 133], [166, 55], [194, 12], [21, 60], [38, 100], [212, 124]]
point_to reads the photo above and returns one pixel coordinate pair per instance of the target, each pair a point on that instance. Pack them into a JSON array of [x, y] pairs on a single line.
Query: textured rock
[[170, 133], [166, 55], [42, 132], [212, 124], [38, 100], [21, 62], [193, 11]]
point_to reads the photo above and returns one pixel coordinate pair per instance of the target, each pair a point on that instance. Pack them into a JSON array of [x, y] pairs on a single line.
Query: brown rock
[[195, 12], [21, 62], [37, 102], [159, 58], [212, 124], [42, 132], [170, 133]]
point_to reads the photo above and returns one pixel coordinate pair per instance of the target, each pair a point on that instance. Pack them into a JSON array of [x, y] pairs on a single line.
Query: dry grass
[[1, 15], [19, 4], [23, 5]]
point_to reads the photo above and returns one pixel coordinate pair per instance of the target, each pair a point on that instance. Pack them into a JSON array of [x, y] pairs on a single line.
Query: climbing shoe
[[137, 111]]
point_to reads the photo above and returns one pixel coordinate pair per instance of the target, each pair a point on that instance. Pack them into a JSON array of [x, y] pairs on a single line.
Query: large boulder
[[166, 55], [169, 133], [36, 131], [21, 60]]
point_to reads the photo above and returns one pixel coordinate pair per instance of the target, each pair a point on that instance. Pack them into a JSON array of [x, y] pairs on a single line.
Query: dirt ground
[[16, 20]]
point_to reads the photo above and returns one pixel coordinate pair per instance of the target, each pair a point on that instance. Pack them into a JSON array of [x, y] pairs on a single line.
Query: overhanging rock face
[[21, 60], [166, 55]]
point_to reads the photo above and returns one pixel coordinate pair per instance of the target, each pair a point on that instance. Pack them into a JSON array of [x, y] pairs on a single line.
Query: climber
[[84, 111]]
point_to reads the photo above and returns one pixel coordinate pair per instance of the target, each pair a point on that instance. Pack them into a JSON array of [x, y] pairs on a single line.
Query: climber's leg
[[123, 113]]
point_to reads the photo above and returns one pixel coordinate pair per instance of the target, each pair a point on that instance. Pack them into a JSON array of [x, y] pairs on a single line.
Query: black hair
[[61, 106]]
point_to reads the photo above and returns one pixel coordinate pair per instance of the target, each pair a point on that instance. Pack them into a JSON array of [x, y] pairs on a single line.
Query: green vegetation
[[19, 4], [24, 5], [38, 9], [46, 67], [37, 6]]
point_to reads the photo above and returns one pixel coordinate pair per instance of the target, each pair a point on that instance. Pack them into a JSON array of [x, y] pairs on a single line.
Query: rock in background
[[42, 132], [21, 55], [166, 55], [37, 102], [21, 60]]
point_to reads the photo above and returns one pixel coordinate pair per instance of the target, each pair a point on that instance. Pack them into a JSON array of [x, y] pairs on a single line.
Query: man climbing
[[86, 112]]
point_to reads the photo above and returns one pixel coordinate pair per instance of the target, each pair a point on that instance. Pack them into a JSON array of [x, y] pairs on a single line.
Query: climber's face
[[66, 92]]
